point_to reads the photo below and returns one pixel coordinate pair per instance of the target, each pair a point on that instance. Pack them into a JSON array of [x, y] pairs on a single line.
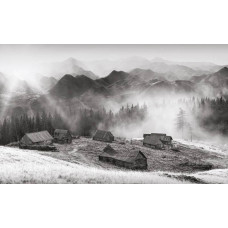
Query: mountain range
[[101, 68], [172, 70], [83, 88], [140, 81]]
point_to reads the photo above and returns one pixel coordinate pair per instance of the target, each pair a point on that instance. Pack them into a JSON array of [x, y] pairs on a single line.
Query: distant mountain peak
[[67, 76], [113, 72], [118, 73], [224, 70]]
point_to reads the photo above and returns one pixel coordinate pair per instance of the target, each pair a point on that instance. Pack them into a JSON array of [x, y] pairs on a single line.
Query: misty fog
[[164, 87]]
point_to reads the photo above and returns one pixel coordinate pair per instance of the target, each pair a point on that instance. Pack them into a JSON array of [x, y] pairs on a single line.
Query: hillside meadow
[[29, 167], [77, 163]]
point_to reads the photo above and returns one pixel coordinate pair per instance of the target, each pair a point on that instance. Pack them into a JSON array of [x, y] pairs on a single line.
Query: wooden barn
[[157, 141], [62, 136], [105, 136], [131, 159], [36, 138], [167, 141]]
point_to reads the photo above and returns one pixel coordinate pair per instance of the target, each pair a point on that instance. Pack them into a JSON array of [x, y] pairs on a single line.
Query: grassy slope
[[24, 166], [187, 160], [78, 163], [214, 176], [179, 165]]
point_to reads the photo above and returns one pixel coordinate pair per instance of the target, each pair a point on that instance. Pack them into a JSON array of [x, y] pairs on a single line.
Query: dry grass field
[[187, 159], [78, 163], [30, 167]]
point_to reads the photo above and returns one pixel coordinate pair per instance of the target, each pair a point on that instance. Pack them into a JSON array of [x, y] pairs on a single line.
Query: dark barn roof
[[153, 140], [122, 154], [102, 134], [39, 136], [156, 138]]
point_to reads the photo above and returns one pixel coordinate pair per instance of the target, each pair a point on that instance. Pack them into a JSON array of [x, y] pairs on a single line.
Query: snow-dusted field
[[24, 166]]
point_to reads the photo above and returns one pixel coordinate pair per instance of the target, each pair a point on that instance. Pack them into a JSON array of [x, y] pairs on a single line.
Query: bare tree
[[181, 121]]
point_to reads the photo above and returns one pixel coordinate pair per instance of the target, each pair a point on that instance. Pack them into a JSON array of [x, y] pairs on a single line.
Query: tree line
[[209, 114], [84, 122], [89, 120]]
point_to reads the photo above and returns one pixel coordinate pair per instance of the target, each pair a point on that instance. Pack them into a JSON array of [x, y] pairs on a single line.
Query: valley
[[130, 97]]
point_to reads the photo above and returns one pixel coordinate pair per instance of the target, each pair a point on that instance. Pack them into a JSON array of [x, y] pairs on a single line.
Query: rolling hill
[[24, 166]]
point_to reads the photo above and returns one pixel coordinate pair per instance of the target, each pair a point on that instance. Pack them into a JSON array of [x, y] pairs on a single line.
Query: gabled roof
[[152, 139], [102, 134], [121, 153], [156, 138], [39, 136]]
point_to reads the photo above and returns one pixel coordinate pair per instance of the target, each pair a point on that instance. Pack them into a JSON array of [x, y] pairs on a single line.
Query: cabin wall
[[107, 139], [167, 142], [141, 163], [47, 142], [111, 137], [25, 140], [62, 138]]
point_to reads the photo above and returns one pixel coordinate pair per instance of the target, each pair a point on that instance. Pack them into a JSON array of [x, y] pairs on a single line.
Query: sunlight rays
[[7, 98]]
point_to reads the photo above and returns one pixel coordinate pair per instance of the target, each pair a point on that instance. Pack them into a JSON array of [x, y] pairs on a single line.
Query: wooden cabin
[[62, 136], [157, 141], [36, 138], [41, 140], [122, 157], [105, 136], [167, 141]]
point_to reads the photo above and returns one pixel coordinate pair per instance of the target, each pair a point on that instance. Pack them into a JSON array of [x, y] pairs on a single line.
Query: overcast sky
[[22, 57]]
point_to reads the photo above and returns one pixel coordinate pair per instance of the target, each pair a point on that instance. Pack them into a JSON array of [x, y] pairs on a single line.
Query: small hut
[[157, 141], [62, 136], [41, 140], [131, 159], [105, 136], [37, 138], [167, 141]]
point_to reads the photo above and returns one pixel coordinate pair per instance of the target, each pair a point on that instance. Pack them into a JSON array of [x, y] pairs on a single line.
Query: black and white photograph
[[114, 114]]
